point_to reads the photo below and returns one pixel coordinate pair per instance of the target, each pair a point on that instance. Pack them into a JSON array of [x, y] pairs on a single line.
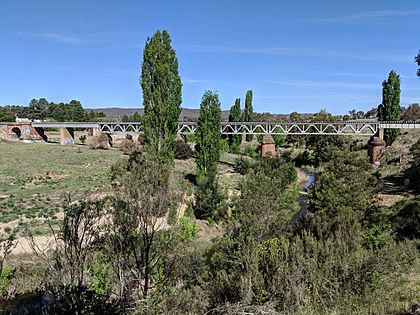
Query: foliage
[[6, 114], [250, 151], [136, 117], [224, 146], [324, 147], [142, 249], [5, 277], [43, 110], [412, 112], [346, 181], [243, 165], [188, 229], [390, 109], [279, 140], [162, 98], [417, 59], [102, 275], [128, 146], [208, 198], [7, 243], [100, 141], [305, 158], [235, 115], [248, 112], [183, 150], [405, 220]]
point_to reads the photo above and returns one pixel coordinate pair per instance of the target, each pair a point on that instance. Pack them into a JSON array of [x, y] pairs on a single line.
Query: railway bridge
[[374, 129]]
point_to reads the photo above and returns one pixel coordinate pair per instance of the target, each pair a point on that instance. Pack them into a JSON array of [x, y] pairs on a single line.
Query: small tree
[[162, 99], [140, 244], [390, 109], [248, 112], [235, 116], [208, 198]]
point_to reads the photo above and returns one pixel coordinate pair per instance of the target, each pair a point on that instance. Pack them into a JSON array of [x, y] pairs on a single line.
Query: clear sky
[[295, 55]]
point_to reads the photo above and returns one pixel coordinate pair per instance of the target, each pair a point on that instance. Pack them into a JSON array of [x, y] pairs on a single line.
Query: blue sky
[[295, 55]]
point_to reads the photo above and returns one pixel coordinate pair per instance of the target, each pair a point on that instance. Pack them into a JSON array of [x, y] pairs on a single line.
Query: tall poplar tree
[[390, 109], [209, 200], [162, 98], [235, 115], [248, 112]]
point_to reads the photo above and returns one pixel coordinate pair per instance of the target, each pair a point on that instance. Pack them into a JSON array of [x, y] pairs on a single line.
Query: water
[[310, 180], [303, 198]]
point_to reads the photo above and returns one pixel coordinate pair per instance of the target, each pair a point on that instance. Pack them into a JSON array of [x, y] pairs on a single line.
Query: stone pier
[[375, 147], [66, 136], [268, 147]]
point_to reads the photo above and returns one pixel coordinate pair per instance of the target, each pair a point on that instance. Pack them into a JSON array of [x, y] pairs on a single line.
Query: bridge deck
[[361, 128]]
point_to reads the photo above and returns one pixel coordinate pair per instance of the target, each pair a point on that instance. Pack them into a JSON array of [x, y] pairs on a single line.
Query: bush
[[141, 139], [224, 146], [242, 165], [130, 147], [250, 151], [406, 221], [279, 140], [101, 141], [183, 150]]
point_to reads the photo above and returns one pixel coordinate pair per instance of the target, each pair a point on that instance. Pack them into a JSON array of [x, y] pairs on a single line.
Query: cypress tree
[[209, 200], [162, 98], [390, 109], [248, 112], [235, 114]]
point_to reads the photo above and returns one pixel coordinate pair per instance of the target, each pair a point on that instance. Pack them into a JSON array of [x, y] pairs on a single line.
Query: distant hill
[[187, 114]]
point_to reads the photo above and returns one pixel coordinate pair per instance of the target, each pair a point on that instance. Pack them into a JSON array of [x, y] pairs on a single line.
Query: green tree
[[235, 116], [6, 114], [208, 198], [162, 98], [248, 111], [342, 194], [390, 109], [417, 58]]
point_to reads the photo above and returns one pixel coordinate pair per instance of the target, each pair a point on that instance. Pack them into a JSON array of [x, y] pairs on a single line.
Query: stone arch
[[16, 132]]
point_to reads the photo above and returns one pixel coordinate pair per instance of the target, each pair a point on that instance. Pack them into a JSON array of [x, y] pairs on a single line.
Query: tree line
[[42, 109]]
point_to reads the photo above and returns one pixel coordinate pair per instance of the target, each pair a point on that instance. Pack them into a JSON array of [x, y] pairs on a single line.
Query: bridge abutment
[[66, 136]]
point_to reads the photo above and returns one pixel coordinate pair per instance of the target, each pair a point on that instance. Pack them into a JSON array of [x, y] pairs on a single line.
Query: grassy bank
[[36, 178]]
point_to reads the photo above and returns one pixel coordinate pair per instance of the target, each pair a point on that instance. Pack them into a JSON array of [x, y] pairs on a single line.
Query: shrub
[[250, 151], [101, 141], [242, 165], [406, 221], [129, 147], [141, 139], [183, 150], [279, 140], [82, 138], [224, 146]]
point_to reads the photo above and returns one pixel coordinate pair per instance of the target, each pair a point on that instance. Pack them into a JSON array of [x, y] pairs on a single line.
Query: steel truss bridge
[[360, 128]]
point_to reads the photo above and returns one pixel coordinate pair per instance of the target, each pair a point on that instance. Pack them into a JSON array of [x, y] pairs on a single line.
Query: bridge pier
[[268, 147], [375, 147], [66, 136]]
